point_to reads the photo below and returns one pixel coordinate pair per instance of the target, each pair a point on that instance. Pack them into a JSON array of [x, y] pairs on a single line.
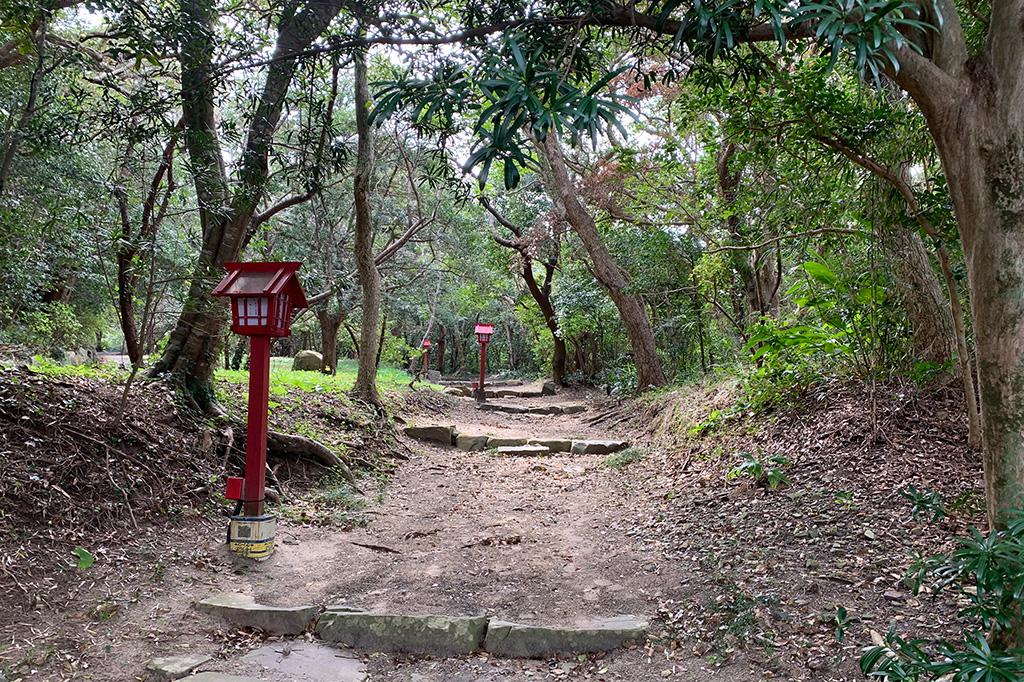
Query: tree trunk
[[610, 274], [442, 333], [190, 354], [926, 306], [330, 322], [760, 273], [369, 277]]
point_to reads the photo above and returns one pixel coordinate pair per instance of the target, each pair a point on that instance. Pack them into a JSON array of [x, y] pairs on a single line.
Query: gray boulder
[[536, 641], [425, 635], [307, 361]]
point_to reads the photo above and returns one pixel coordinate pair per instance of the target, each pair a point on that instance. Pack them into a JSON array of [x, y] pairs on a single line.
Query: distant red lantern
[[263, 297], [484, 333], [483, 336], [426, 354]]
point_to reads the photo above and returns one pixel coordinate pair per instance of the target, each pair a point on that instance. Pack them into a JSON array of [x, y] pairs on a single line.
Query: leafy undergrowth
[[795, 577]]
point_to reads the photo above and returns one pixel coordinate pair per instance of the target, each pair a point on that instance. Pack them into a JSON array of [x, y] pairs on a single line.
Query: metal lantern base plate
[[252, 536]]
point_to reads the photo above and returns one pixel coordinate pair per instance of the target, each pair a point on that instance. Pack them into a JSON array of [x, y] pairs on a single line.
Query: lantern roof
[[426, 343], [484, 329], [260, 278]]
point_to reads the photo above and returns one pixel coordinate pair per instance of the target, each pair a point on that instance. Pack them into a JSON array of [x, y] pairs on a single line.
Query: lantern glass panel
[[252, 311], [283, 311]]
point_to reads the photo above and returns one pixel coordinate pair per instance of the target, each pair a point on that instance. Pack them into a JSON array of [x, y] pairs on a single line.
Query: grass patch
[[282, 378], [108, 371], [623, 458]]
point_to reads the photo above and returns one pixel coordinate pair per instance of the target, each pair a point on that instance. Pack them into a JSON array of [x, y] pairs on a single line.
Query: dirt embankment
[[769, 570]]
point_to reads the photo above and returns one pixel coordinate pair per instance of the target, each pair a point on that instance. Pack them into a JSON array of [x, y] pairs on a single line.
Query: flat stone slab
[[553, 444], [440, 434], [470, 443], [573, 409], [524, 450], [241, 609], [461, 391], [426, 635], [598, 447], [219, 677], [536, 641], [306, 662], [174, 667], [500, 442], [498, 407]]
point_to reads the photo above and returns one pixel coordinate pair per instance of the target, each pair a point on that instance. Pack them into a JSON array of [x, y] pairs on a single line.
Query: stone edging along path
[[448, 435], [430, 635]]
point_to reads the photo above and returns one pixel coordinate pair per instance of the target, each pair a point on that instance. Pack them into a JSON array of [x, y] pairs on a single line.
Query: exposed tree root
[[289, 445]]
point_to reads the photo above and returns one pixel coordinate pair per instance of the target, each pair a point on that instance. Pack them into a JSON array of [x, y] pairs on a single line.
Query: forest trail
[[537, 540]]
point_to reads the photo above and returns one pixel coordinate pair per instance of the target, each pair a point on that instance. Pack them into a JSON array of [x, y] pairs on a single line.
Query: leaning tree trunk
[[190, 354], [610, 274], [369, 277], [330, 323]]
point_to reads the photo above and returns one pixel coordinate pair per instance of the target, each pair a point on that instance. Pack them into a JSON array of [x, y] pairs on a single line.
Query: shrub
[[623, 458], [987, 573], [766, 472]]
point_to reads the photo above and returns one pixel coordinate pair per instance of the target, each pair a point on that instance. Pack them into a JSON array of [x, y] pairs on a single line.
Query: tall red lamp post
[[263, 298], [483, 337], [426, 355]]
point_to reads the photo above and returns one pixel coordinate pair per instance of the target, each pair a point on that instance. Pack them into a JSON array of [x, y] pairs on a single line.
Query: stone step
[[505, 442], [514, 640], [598, 447], [432, 635], [537, 409], [524, 450], [242, 609], [445, 435], [552, 444]]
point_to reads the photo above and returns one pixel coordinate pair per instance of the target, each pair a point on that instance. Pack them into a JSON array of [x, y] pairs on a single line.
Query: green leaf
[[820, 272], [85, 558]]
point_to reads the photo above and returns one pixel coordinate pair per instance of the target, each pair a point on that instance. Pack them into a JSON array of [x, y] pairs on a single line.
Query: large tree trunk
[[610, 274], [190, 354], [330, 323], [369, 277]]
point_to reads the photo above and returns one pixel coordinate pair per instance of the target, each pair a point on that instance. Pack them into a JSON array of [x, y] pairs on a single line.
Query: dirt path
[[537, 540]]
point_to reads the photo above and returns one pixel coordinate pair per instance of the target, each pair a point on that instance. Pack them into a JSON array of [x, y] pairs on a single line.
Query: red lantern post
[[426, 356], [483, 337], [263, 298]]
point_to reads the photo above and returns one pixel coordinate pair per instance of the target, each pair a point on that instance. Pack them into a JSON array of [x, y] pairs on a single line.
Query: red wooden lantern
[[483, 337], [483, 333], [263, 298], [426, 355]]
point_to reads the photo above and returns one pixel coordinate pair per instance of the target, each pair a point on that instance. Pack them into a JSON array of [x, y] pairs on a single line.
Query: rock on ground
[[536, 641], [174, 667], [307, 361], [425, 635], [500, 442], [243, 610]]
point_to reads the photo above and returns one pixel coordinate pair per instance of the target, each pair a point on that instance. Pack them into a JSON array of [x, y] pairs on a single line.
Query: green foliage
[[85, 558], [987, 573], [108, 371], [767, 472], [924, 501], [623, 458]]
